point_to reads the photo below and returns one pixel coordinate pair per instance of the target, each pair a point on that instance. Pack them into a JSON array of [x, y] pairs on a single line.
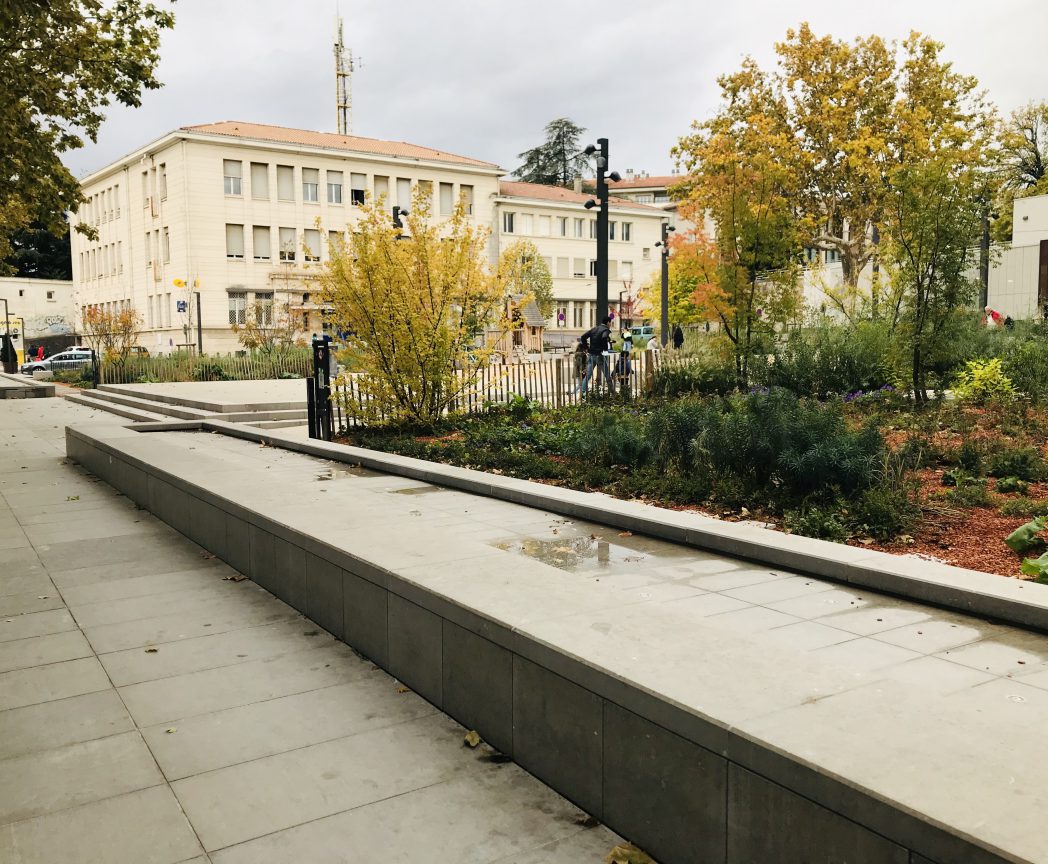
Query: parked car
[[138, 352], [71, 358]]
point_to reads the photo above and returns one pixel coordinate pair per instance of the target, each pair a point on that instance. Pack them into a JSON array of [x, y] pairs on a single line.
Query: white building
[[243, 213], [1018, 283], [565, 233], [39, 312]]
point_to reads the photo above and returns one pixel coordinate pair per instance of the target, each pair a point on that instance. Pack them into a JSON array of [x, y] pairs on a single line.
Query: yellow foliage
[[111, 334]]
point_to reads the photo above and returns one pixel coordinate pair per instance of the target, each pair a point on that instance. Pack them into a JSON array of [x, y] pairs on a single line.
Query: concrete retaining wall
[[686, 787]]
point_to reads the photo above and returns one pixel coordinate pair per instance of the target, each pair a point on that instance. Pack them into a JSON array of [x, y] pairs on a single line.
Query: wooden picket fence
[[191, 367], [551, 382]]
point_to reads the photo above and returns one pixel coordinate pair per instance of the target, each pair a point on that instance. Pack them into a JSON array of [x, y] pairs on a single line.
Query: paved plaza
[[155, 710]]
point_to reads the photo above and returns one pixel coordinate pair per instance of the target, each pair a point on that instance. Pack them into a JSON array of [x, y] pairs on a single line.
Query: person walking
[[678, 337], [580, 362], [40, 352], [597, 341]]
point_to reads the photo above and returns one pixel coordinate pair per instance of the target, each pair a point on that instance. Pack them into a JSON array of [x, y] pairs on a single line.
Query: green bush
[[1025, 359], [970, 458], [970, 492], [1025, 463], [706, 372], [1024, 507], [609, 438], [822, 522], [673, 426], [831, 359], [983, 381], [1007, 485]]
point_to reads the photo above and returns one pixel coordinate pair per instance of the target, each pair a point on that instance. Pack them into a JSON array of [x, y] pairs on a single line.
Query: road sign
[[181, 305]]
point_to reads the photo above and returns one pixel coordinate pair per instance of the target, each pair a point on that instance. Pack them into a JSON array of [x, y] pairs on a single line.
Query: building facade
[[39, 312], [240, 214]]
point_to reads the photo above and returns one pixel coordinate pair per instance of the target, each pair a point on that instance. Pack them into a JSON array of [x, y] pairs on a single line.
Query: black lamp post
[[601, 149], [664, 325]]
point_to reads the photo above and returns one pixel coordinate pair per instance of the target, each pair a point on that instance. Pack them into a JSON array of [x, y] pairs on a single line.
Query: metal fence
[[552, 382], [191, 367]]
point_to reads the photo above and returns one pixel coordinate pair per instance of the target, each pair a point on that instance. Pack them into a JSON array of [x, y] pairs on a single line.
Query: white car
[[71, 358]]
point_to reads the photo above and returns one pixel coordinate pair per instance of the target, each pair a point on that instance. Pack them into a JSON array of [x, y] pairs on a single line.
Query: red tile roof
[[331, 140], [513, 189], [659, 182]]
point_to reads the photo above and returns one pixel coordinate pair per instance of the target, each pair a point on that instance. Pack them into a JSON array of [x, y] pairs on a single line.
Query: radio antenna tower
[[343, 84]]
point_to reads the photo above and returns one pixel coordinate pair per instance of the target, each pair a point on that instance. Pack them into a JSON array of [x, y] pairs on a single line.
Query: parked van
[[642, 335]]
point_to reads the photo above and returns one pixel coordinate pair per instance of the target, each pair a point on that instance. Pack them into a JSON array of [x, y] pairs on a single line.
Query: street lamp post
[[664, 324], [601, 149]]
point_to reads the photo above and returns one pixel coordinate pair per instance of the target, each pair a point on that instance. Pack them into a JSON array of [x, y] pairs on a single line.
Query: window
[[544, 226], [334, 187], [145, 188], [811, 254], [645, 253], [627, 232], [167, 309], [334, 238], [592, 267], [238, 307], [645, 198], [403, 192], [260, 242], [264, 306], [592, 229], [562, 268], [611, 230], [358, 184], [425, 188], [162, 175], [50, 295], [21, 292], [167, 246], [149, 312], [466, 194], [578, 268], [548, 262], [259, 180], [312, 244], [832, 256], [231, 169], [285, 183], [382, 188], [447, 198], [149, 260], [156, 250], [562, 226], [119, 256], [287, 244], [626, 270], [234, 241], [310, 184], [562, 314], [577, 310], [578, 228], [116, 201], [527, 224], [613, 270], [508, 220]]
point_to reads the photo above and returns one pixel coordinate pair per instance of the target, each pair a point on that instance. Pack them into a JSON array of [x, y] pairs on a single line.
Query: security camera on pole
[[601, 148]]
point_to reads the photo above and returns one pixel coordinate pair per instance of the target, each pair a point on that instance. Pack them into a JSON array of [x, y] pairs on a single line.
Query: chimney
[[629, 173], [577, 185]]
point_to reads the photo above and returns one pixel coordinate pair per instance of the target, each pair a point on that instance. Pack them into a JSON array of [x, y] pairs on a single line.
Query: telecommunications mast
[[343, 84]]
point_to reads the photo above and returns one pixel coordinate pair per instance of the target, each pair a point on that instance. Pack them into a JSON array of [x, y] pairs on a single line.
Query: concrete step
[[296, 414], [149, 405], [84, 397], [277, 424]]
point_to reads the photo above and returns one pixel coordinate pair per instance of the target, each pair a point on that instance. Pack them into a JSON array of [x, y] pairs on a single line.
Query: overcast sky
[[482, 78]]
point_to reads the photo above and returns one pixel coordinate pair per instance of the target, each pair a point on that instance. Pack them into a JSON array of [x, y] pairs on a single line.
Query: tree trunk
[[920, 396]]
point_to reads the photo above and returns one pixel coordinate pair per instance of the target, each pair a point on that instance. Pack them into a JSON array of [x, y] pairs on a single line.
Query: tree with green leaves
[[1022, 165], [36, 253], [62, 63], [522, 272], [558, 160]]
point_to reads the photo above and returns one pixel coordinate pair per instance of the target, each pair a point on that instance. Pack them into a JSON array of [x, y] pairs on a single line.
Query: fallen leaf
[[403, 689], [627, 853], [562, 550], [235, 577], [42, 596], [152, 650], [594, 537], [625, 533], [472, 739], [587, 821], [72, 497], [207, 555], [172, 729]]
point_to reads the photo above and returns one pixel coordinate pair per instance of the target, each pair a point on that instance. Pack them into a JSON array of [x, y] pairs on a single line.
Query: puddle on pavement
[[339, 472], [577, 554]]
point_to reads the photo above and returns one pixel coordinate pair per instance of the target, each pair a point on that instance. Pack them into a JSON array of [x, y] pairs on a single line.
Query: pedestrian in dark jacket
[[597, 341], [678, 337]]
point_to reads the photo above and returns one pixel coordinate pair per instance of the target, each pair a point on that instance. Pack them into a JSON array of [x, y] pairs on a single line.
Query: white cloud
[[483, 78]]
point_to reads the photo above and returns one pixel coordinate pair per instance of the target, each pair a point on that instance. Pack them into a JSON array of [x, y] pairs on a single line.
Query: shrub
[[1025, 463], [693, 376], [673, 426], [984, 381], [1025, 360], [1007, 485], [824, 522], [1024, 507], [970, 458], [608, 438], [970, 492]]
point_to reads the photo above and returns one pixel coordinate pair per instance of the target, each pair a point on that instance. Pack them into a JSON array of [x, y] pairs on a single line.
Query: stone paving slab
[[148, 703]]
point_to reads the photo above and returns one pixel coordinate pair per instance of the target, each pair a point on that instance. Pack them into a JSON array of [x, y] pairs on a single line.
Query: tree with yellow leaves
[[111, 333], [415, 306]]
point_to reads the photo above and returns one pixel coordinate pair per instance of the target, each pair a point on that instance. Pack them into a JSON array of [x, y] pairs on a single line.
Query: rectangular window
[[527, 224], [626, 270], [167, 246], [562, 226], [149, 312], [613, 270], [403, 192], [382, 189], [592, 267], [425, 188], [145, 189], [592, 229], [238, 307], [578, 268], [578, 310], [611, 230], [285, 183], [645, 198], [264, 305], [260, 242], [562, 314], [645, 253], [508, 220], [231, 169], [334, 187], [287, 244], [167, 309], [562, 268], [832, 256], [312, 244], [447, 198], [466, 194], [310, 184], [149, 259], [234, 241], [627, 232], [260, 180], [116, 201], [119, 256], [334, 238], [50, 295], [156, 252], [578, 228], [162, 174], [544, 226], [358, 186]]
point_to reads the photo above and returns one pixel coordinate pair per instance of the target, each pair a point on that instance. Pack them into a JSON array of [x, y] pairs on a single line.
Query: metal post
[[664, 319], [200, 331], [984, 261], [311, 406], [602, 229]]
